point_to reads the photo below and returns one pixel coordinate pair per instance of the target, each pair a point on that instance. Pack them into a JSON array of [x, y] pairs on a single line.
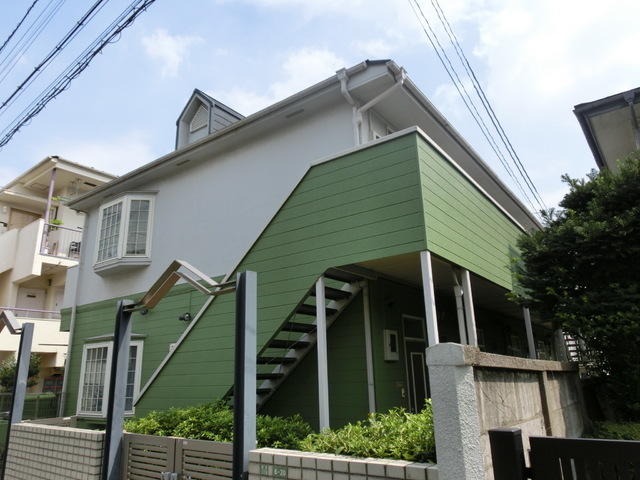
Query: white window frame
[[121, 256], [106, 379]]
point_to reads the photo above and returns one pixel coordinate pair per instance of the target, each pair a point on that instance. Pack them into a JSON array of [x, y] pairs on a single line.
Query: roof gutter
[[343, 77]]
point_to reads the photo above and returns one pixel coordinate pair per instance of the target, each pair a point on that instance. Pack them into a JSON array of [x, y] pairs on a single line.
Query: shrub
[[214, 421], [281, 432], [615, 431], [398, 435]]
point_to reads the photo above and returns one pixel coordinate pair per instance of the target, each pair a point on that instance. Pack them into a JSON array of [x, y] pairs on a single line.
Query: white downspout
[[457, 291], [469, 309], [529, 329], [357, 120]]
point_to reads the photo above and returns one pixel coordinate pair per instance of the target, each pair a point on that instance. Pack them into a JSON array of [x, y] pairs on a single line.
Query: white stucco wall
[[209, 213]]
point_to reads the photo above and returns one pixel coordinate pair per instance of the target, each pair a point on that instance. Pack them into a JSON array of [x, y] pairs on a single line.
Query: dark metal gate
[[563, 458]]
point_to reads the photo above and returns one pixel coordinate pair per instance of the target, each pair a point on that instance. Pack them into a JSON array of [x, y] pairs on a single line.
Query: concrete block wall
[[46, 452], [273, 464], [473, 392]]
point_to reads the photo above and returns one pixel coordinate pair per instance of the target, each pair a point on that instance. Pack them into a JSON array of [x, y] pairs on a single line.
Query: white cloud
[[117, 155], [170, 50], [301, 69]]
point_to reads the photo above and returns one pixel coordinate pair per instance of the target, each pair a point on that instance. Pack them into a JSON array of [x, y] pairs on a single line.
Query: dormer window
[[200, 119], [202, 116]]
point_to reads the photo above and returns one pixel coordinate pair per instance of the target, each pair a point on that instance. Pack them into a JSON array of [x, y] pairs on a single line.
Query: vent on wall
[[200, 119]]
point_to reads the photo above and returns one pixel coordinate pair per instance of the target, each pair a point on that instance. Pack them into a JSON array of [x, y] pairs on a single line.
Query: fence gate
[[149, 457], [563, 458]]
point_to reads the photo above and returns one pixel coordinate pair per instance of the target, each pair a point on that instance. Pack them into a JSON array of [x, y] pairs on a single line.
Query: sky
[[534, 60]]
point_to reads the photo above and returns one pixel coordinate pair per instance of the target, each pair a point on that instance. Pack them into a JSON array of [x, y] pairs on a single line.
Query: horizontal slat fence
[[146, 457], [205, 460]]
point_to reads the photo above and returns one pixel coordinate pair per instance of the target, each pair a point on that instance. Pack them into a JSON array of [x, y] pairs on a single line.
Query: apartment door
[[20, 218], [415, 344], [32, 300]]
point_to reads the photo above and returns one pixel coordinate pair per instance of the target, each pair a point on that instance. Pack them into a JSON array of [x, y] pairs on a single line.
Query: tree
[[8, 372], [582, 271]]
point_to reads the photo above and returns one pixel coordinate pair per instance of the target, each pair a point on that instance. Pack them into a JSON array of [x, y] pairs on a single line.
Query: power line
[[469, 103], [63, 81], [19, 25], [485, 102], [29, 37], [55, 52]]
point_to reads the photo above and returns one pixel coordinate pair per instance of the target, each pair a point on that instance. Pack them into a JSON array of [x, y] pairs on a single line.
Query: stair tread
[[269, 376], [277, 343], [333, 293], [275, 360], [305, 309], [341, 275], [298, 327]]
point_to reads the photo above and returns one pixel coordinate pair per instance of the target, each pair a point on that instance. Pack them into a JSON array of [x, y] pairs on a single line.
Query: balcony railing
[[32, 313], [59, 241]]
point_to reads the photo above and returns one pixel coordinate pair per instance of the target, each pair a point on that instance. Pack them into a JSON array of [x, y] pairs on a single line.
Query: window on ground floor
[[95, 376]]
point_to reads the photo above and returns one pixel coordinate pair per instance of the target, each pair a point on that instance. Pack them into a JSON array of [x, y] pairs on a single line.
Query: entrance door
[[415, 344], [30, 299], [20, 218]]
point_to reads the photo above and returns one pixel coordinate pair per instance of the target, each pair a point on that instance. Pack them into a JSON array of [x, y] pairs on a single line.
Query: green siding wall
[[370, 204], [362, 206], [463, 225], [160, 326], [347, 371]]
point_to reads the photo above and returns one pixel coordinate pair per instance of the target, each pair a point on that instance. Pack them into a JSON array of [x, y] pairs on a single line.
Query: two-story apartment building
[[354, 199], [39, 239]]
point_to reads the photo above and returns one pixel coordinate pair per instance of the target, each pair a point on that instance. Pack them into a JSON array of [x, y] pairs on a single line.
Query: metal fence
[[61, 241], [36, 405], [554, 458]]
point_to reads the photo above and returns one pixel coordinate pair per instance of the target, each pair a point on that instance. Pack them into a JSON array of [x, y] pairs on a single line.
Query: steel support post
[[321, 347], [117, 392], [20, 384], [244, 396]]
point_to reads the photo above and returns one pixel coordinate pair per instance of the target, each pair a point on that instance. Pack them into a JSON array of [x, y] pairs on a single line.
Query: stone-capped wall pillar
[[455, 413]]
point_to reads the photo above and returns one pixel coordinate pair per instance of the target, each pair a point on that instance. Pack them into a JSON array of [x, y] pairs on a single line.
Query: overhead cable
[[63, 81], [22, 45], [19, 25], [469, 103], [55, 52], [485, 102]]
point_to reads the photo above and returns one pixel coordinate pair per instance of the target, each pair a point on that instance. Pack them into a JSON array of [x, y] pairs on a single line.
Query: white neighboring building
[[39, 239]]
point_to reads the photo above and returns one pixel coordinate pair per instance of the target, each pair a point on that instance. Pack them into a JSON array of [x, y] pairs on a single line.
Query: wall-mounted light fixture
[[185, 317]]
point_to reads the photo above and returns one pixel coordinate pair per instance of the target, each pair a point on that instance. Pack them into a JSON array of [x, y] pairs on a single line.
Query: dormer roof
[[202, 116]]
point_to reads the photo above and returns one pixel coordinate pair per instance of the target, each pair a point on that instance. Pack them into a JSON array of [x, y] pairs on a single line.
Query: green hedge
[[615, 431], [397, 435], [214, 421]]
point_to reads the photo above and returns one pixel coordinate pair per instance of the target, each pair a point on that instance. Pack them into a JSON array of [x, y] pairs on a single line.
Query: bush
[[615, 431], [214, 421], [398, 435]]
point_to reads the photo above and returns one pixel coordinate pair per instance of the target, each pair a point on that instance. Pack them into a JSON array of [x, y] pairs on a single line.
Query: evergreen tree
[[8, 372], [582, 270]]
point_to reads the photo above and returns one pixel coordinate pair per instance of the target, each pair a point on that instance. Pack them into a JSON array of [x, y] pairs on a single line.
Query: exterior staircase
[[297, 335]]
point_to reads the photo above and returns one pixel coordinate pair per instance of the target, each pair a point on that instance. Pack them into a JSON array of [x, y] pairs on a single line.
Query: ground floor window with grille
[[95, 375]]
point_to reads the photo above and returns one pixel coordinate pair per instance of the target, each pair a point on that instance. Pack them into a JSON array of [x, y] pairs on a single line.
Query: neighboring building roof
[[610, 126], [27, 189]]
